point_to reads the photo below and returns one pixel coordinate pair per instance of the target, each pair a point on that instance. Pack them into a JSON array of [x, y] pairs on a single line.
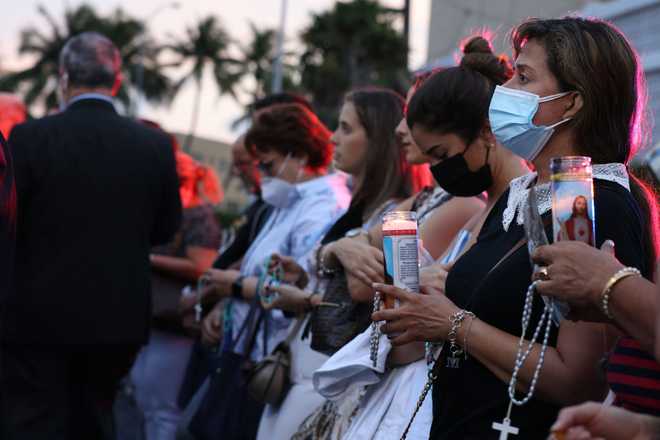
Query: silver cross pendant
[[505, 428]]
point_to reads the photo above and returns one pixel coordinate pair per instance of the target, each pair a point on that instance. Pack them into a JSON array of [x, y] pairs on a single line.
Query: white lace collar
[[519, 188]]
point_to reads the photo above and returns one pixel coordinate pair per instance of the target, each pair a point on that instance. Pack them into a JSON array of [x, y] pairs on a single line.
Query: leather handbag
[[216, 413], [268, 381], [336, 323]]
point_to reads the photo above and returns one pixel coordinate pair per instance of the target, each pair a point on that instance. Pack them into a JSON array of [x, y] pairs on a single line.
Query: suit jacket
[[95, 192], [7, 216]]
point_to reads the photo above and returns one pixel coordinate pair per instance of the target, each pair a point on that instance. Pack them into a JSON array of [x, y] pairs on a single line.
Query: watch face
[[354, 232]]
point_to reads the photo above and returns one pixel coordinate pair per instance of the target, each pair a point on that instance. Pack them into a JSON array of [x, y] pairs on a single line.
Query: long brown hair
[[594, 58], [387, 173]]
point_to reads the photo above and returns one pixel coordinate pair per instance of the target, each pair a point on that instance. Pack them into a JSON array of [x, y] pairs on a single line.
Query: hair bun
[[477, 44], [478, 56]]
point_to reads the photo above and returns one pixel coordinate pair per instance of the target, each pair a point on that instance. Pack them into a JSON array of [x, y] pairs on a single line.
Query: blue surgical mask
[[511, 113]]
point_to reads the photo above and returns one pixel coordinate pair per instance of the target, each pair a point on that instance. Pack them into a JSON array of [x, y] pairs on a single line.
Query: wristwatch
[[237, 288]]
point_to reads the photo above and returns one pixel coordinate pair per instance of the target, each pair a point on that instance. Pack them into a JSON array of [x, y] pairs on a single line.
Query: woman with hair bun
[[386, 405], [575, 91]]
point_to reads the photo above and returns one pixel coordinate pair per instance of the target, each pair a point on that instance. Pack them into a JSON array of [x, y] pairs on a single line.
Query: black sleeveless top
[[467, 400]]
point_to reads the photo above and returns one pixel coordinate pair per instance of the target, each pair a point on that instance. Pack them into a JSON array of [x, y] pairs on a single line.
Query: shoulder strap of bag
[[294, 330], [264, 348], [254, 305], [522, 242], [256, 221], [437, 366], [254, 330]]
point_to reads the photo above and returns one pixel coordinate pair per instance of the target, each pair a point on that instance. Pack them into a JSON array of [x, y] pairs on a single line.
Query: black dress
[[467, 400]]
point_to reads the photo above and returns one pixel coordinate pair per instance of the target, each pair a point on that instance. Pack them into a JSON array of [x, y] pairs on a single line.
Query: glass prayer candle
[[400, 247], [573, 199]]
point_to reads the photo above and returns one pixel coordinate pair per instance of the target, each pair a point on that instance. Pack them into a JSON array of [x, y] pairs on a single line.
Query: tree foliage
[[39, 81], [354, 44], [205, 47]]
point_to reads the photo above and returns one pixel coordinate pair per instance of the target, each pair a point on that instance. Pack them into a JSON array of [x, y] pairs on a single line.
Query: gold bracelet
[[613, 281]]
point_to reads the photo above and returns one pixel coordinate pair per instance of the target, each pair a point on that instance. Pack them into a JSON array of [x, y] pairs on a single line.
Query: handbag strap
[[254, 305], [252, 338], [294, 330], [264, 349], [433, 374]]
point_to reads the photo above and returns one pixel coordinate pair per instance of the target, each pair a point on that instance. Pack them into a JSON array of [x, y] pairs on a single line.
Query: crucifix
[[505, 428]]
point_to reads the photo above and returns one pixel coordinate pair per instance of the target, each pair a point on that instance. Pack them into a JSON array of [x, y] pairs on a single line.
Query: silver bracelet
[[455, 351]]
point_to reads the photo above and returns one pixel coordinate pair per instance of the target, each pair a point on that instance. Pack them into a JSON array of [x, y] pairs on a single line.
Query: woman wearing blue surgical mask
[[581, 98], [293, 150]]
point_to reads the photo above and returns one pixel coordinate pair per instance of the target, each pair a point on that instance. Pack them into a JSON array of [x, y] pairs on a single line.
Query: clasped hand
[[419, 317], [576, 274], [293, 272], [361, 260]]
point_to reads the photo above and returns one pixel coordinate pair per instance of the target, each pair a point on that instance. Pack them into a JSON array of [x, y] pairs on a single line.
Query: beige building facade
[[217, 155]]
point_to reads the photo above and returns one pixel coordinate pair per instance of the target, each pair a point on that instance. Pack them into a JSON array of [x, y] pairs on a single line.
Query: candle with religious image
[[572, 207], [400, 247], [573, 199]]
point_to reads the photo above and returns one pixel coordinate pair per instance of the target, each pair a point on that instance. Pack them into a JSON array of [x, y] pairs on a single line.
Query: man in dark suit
[[95, 192], [7, 217]]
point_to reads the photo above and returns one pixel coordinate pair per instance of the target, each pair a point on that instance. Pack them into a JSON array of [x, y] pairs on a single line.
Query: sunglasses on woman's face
[[266, 167]]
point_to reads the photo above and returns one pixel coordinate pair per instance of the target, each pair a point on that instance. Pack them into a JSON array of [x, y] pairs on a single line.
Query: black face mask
[[454, 176]]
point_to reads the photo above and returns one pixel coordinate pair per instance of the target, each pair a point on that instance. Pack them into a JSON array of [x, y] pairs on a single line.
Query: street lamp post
[[139, 71], [276, 86]]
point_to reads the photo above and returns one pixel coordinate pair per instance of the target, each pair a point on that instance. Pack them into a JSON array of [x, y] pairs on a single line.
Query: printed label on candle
[[400, 247]]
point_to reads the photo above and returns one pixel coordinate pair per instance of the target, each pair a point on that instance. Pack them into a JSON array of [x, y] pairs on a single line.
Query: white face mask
[[276, 191]]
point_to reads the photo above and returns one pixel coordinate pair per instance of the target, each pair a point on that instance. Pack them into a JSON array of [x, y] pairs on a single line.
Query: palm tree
[[39, 82], [206, 47], [258, 58], [351, 45]]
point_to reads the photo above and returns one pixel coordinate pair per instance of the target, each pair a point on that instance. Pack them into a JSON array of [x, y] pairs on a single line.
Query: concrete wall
[[639, 20], [452, 20]]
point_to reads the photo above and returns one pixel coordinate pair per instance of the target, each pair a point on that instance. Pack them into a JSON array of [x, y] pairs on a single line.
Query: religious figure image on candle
[[573, 211], [579, 226]]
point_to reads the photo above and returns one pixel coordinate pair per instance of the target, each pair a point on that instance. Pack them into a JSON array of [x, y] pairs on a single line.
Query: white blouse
[[291, 231]]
